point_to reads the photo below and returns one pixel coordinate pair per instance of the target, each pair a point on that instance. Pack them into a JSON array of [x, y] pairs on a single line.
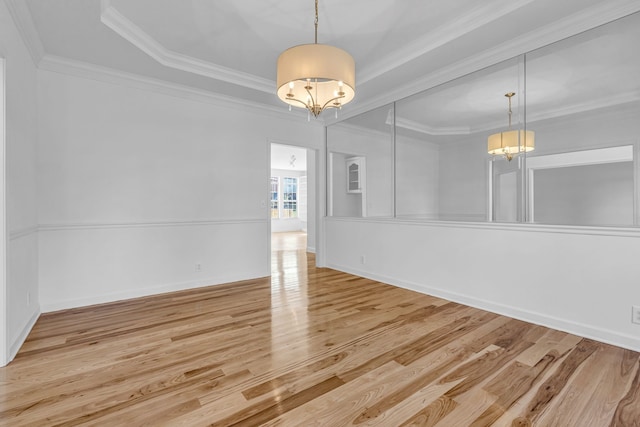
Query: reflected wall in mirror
[[581, 94], [583, 98], [441, 143], [360, 163], [586, 187]]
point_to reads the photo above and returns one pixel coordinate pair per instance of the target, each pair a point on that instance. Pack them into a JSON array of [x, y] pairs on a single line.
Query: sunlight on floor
[[289, 289], [288, 258]]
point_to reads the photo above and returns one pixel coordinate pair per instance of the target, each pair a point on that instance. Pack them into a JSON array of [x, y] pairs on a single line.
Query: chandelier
[[511, 142], [315, 76]]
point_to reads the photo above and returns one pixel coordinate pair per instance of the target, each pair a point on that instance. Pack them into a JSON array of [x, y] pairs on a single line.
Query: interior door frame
[[318, 199], [621, 153], [3, 223]]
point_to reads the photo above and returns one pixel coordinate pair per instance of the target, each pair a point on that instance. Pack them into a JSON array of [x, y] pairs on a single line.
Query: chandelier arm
[[308, 89], [316, 112], [301, 102], [313, 101], [332, 99]]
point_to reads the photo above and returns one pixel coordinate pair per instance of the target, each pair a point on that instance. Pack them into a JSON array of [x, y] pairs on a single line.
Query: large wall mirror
[[583, 101], [360, 165], [441, 143], [562, 124]]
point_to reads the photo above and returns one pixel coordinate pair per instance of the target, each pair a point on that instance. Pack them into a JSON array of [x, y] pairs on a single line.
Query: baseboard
[[14, 347], [50, 306], [599, 334]]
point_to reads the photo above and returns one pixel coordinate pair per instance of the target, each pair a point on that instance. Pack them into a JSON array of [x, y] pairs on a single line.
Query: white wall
[[137, 188], [600, 194], [417, 178], [578, 280], [21, 293], [597, 194], [463, 179]]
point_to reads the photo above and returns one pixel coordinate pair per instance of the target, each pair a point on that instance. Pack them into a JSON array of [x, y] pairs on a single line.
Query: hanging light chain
[[316, 22], [509, 95]]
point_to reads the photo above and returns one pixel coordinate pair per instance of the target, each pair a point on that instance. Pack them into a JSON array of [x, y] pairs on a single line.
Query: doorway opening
[[292, 211], [292, 214]]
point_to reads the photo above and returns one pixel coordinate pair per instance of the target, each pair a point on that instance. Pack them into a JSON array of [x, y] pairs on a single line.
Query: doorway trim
[[622, 153], [4, 356], [318, 200]]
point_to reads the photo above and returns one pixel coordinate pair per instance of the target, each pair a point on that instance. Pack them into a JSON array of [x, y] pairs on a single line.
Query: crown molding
[[430, 130], [21, 16], [109, 75], [584, 20], [566, 110], [23, 232], [583, 107], [121, 25], [440, 36]]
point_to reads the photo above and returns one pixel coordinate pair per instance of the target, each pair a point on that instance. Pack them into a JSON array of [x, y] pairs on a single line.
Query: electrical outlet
[[363, 259], [28, 298], [198, 267], [635, 314]]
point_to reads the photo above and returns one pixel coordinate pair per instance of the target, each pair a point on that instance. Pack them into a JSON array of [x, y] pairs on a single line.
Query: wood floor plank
[[264, 411], [599, 375], [554, 385], [510, 385], [339, 406], [311, 346], [432, 414], [469, 407], [628, 408]]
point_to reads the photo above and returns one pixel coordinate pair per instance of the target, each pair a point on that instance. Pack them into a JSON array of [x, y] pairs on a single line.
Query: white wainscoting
[[84, 264], [22, 287], [582, 280]]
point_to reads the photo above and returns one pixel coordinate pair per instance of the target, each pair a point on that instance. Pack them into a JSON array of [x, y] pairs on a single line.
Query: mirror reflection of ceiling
[[596, 69], [230, 48]]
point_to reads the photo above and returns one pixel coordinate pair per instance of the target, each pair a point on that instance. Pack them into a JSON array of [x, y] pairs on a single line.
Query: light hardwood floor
[[311, 346]]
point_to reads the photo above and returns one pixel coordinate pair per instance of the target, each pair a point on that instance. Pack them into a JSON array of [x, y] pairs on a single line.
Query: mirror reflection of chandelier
[[316, 76], [509, 143]]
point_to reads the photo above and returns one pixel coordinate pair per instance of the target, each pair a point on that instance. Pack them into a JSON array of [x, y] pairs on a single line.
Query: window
[[289, 197], [284, 197], [274, 197]]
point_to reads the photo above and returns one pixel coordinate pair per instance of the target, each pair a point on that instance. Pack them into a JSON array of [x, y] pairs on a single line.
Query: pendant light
[[511, 142], [315, 76]]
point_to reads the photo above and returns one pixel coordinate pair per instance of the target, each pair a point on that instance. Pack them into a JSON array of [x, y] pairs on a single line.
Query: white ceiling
[[230, 47], [287, 157]]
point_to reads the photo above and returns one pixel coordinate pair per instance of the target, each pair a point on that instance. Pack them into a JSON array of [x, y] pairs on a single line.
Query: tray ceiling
[[230, 48]]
